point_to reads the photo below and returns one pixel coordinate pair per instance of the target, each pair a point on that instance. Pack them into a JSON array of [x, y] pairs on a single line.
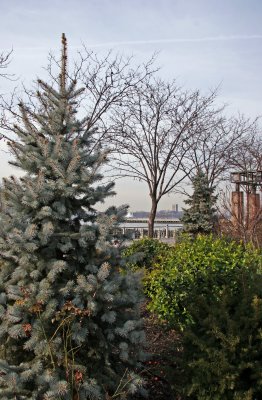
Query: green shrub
[[191, 268], [145, 253], [211, 288], [223, 348]]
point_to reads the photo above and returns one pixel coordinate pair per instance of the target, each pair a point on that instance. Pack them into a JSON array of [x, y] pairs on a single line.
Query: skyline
[[203, 44]]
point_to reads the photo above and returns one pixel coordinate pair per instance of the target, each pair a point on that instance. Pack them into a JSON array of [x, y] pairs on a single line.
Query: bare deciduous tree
[[4, 62], [247, 155], [154, 131], [219, 140], [107, 82]]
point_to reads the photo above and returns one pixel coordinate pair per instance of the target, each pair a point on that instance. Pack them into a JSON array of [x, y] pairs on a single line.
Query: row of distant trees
[[155, 131]]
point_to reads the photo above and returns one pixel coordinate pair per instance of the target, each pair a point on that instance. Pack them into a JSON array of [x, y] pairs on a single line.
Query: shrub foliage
[[191, 268], [211, 289], [145, 253], [223, 347]]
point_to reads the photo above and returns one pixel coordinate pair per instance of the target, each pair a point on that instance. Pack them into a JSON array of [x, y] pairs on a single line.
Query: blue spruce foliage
[[200, 217], [69, 312]]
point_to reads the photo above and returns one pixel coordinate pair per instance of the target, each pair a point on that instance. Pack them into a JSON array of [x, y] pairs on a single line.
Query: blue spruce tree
[[70, 326], [200, 216]]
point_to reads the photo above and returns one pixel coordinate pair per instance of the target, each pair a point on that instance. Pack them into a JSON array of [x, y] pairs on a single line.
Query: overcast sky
[[202, 43]]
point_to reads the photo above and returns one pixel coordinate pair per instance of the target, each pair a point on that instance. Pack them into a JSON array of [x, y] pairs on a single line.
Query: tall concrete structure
[[246, 209], [237, 208], [253, 206]]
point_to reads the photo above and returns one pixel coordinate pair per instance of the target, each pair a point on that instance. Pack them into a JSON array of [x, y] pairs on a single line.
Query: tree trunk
[[151, 218]]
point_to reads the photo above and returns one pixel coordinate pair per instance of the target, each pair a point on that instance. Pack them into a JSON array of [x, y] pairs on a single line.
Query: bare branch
[[218, 142], [107, 82], [154, 131], [5, 59]]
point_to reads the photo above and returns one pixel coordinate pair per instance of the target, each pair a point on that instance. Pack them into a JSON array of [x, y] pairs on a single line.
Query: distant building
[[167, 223], [175, 207], [168, 214]]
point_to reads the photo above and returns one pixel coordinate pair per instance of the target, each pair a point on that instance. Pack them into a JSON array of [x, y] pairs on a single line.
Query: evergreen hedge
[[211, 290]]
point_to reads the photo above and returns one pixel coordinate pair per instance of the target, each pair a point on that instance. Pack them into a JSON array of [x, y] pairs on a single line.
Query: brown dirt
[[161, 372]]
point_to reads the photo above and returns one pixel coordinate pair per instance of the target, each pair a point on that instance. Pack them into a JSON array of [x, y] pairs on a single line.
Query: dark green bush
[[145, 253], [191, 268], [211, 289], [223, 347]]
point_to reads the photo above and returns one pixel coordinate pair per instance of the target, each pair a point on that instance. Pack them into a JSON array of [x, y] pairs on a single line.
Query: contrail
[[220, 38]]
